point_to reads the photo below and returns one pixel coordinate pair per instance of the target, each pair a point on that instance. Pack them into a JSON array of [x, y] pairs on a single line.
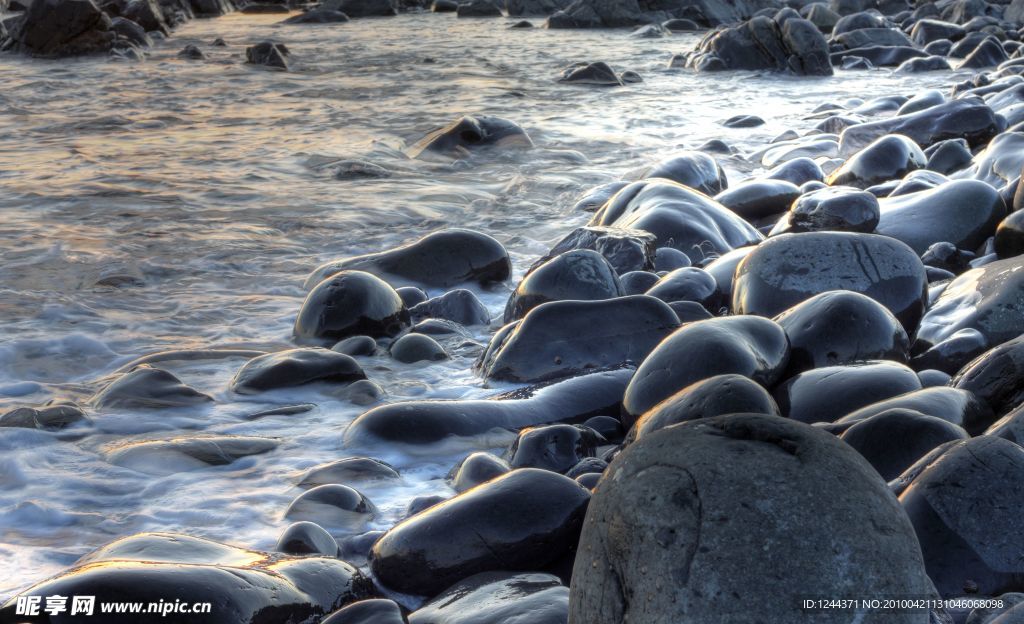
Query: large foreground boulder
[[737, 519], [796, 45]]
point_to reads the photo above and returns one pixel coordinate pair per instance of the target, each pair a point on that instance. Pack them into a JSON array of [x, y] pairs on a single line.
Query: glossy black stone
[[148, 387], [439, 260], [838, 208], [498, 598], [307, 538], [968, 118], [351, 303], [346, 470], [757, 199], [688, 284], [841, 327], [553, 447], [417, 348], [563, 338], [625, 249], [421, 422], [894, 439], [696, 170], [467, 134], [745, 345], [459, 306], [790, 268], [955, 406], [374, 611], [523, 520], [829, 393], [638, 282], [475, 469], [887, 158], [581, 275], [996, 376], [1009, 241], [295, 367], [332, 506]]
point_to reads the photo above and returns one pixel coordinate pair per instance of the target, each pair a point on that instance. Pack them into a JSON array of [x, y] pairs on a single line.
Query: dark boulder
[[53, 416], [181, 454], [148, 387], [241, 586], [374, 611], [965, 505], [581, 275], [594, 198], [55, 28], [996, 376], [955, 406], [893, 440], [689, 284], [351, 303], [841, 327], [440, 260], [679, 217], [829, 393], [797, 171], [356, 345], [553, 447], [563, 338], [790, 268], [534, 8], [953, 353], [318, 16], [346, 470], [467, 134], [599, 74], [268, 54], [638, 282], [460, 306], [498, 598], [745, 345], [714, 396], [1009, 237], [412, 348], [421, 422], [926, 31], [923, 64], [795, 46], [677, 529], [968, 118], [295, 367], [888, 158], [626, 250], [475, 469], [758, 199], [696, 170], [192, 52], [307, 538], [524, 520], [989, 53], [332, 506], [835, 209]]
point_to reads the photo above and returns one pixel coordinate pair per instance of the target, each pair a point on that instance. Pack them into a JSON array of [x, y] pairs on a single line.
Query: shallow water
[[199, 188]]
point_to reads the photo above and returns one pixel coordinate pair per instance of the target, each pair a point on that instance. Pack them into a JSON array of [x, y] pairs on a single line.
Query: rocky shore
[[734, 399]]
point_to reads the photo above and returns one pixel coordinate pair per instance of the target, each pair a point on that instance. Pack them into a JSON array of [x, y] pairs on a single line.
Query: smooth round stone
[[638, 282], [148, 387], [589, 480], [688, 284], [626, 250], [563, 338], [599, 74], [829, 393], [439, 327], [837, 208], [928, 30], [440, 259], [790, 268], [797, 171], [954, 352], [680, 521], [444, 6], [989, 53], [307, 538], [475, 469], [242, 586], [696, 170], [425, 422], [923, 64], [743, 121], [1009, 240], [679, 217], [745, 345], [347, 469], [689, 311], [362, 392], [607, 427], [956, 406], [948, 156], [554, 447], [498, 598], [412, 348], [581, 274], [921, 101], [987, 299], [715, 396], [966, 506], [723, 268], [758, 199], [917, 181], [841, 327], [422, 503], [890, 157], [356, 345], [524, 520], [996, 376], [931, 378], [459, 306], [893, 440], [295, 367], [681, 25], [941, 47], [468, 134], [587, 465], [1010, 427], [946, 256], [374, 611], [348, 304], [51, 417], [669, 259], [164, 457], [332, 506], [961, 212]]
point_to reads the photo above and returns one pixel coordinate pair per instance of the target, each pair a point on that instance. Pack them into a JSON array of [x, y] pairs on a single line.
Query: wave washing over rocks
[[688, 311]]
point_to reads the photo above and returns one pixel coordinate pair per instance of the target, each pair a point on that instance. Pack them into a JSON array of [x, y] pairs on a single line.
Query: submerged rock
[[374, 611], [965, 504], [333, 505], [351, 303], [563, 338], [790, 268], [346, 470], [53, 416], [148, 387], [440, 259], [269, 54], [295, 367], [745, 345], [524, 520], [242, 586], [162, 457], [466, 134], [307, 538], [680, 521], [498, 598], [417, 348], [600, 74], [423, 422], [679, 217], [318, 16]]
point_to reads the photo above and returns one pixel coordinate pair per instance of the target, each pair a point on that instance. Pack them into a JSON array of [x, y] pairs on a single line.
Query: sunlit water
[[199, 183]]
